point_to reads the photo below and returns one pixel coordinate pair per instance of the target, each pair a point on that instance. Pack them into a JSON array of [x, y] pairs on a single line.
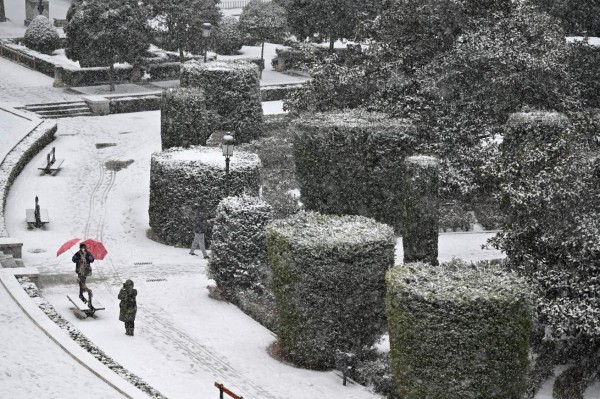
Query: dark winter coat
[[78, 263], [201, 226], [128, 303]]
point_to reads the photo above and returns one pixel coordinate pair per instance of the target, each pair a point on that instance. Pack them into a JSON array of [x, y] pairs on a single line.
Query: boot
[[127, 331], [131, 331]]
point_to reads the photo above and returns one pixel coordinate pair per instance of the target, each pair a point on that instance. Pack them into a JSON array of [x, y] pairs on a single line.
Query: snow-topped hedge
[[183, 179], [238, 262], [41, 35], [232, 90], [329, 283], [458, 331], [227, 38], [352, 163], [184, 120], [421, 206]]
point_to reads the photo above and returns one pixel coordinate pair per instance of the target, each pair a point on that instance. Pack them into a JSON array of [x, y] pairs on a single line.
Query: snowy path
[[184, 340], [33, 366]]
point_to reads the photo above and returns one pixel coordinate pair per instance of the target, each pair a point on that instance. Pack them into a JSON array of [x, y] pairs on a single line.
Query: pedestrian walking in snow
[[128, 306], [200, 230], [83, 260]]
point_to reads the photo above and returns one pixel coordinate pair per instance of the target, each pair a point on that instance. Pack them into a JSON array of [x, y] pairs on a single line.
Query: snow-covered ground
[[184, 340]]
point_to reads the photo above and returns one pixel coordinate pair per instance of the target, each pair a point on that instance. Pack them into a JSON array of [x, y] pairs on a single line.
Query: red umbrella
[[67, 245], [96, 248]]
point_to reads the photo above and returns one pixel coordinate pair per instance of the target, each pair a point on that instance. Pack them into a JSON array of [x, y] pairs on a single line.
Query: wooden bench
[[36, 217], [52, 165], [85, 308]]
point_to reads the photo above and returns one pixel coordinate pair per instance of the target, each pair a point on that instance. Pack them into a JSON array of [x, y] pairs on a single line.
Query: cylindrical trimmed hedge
[[329, 283], [238, 261], [458, 331], [352, 163], [421, 207], [184, 120], [232, 90], [183, 179]]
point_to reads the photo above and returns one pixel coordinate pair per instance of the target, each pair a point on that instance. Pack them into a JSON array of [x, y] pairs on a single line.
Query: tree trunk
[[2, 12], [331, 42], [262, 58], [111, 76], [181, 57]]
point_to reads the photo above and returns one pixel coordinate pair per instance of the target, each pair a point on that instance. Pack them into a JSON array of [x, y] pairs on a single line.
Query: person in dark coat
[[128, 306], [83, 260], [200, 229]]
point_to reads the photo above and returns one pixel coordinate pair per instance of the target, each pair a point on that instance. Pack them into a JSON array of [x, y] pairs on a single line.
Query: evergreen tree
[[183, 21], [104, 32], [262, 22], [332, 19]]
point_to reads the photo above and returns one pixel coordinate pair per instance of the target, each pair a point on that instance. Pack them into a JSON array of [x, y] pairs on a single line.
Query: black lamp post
[[206, 28], [227, 146]]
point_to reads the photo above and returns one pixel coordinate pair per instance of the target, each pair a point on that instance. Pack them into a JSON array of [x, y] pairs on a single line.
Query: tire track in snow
[[204, 357]]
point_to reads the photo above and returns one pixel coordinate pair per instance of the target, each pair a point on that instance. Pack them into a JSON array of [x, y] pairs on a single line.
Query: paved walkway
[[33, 366]]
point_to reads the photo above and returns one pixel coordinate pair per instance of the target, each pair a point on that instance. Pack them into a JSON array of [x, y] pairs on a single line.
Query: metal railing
[[228, 4]]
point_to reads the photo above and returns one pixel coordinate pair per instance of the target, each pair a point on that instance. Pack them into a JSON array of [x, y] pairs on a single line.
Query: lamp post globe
[[206, 28], [227, 147]]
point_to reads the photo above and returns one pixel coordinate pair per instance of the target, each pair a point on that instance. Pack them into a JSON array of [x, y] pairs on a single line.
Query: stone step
[[63, 111], [46, 107], [71, 115]]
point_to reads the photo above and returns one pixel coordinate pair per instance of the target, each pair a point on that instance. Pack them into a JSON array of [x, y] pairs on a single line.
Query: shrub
[[328, 280], [454, 216], [376, 372], [262, 21], [232, 91], [183, 179], [550, 197], [584, 64], [352, 163], [184, 120], [41, 36], [238, 261], [458, 331], [421, 207], [227, 38]]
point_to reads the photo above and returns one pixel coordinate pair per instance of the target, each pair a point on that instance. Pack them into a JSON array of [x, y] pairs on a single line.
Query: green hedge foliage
[[41, 36], [183, 179], [422, 209], [227, 38], [458, 331], [238, 262], [184, 119], [352, 163], [328, 280], [232, 91]]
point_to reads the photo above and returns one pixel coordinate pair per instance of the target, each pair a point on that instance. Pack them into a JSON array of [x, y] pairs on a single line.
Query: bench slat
[[30, 215]]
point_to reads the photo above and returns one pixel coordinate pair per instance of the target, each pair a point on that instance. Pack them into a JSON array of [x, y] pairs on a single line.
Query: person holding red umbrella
[[83, 268]]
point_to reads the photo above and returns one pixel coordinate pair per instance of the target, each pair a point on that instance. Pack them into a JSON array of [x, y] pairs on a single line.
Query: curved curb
[[18, 157], [56, 334]]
